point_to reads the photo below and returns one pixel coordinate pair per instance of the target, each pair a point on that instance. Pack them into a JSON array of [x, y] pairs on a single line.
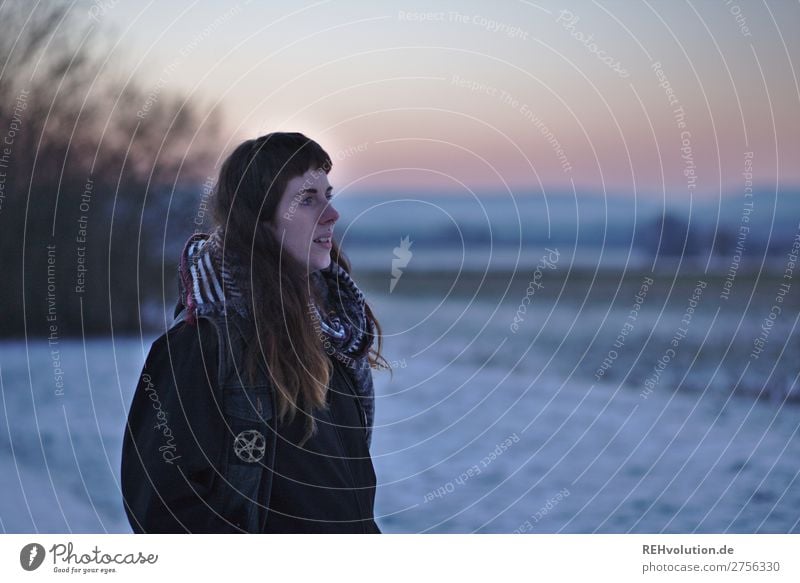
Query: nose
[[329, 216]]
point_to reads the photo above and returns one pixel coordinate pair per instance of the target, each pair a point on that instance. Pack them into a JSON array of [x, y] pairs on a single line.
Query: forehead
[[311, 179]]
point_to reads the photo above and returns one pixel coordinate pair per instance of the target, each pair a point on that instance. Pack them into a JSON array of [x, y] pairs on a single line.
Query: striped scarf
[[209, 284]]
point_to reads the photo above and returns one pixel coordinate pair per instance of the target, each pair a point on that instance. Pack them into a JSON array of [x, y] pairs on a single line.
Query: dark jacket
[[199, 450]]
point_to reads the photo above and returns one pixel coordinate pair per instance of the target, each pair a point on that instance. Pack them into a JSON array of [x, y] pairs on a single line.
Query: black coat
[[203, 451]]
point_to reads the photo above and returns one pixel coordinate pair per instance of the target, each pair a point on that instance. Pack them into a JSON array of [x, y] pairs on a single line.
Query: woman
[[254, 411]]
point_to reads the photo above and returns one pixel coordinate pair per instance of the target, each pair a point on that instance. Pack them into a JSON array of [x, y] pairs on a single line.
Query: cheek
[[299, 239]]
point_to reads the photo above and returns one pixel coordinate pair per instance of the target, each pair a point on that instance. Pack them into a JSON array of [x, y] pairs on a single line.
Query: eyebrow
[[313, 190]]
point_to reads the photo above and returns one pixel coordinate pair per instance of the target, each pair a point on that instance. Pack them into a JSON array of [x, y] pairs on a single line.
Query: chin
[[319, 265]]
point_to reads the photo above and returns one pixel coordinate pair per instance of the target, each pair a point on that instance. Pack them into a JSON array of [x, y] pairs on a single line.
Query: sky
[[658, 99]]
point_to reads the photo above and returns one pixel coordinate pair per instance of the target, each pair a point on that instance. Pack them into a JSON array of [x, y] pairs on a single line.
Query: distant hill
[[617, 224]]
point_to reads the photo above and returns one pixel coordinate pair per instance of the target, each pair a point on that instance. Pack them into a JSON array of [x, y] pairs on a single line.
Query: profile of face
[[304, 219]]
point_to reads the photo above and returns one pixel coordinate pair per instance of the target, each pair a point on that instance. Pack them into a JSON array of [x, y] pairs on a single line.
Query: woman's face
[[304, 216]]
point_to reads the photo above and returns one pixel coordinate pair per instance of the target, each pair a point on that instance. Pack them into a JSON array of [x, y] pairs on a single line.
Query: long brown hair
[[251, 182]]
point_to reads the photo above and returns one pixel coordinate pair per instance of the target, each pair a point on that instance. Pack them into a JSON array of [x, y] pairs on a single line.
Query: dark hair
[[251, 182]]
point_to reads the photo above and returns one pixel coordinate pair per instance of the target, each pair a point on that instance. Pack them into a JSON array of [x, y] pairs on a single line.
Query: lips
[[324, 238], [325, 241]]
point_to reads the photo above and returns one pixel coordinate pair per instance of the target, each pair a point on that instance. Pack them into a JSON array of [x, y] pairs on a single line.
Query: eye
[[309, 200]]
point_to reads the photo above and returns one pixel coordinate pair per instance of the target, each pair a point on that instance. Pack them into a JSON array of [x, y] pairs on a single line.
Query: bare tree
[[81, 170]]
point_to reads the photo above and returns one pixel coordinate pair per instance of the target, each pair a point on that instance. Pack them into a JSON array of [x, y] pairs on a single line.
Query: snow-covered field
[[480, 428]]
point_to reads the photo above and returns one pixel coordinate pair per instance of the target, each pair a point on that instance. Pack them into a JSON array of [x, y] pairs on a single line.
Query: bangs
[[282, 156]]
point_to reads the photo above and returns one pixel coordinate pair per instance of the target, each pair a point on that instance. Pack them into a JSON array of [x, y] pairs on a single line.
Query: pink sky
[[479, 95]]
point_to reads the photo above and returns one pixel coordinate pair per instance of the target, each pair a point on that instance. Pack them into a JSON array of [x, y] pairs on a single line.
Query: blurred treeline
[[87, 151]]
